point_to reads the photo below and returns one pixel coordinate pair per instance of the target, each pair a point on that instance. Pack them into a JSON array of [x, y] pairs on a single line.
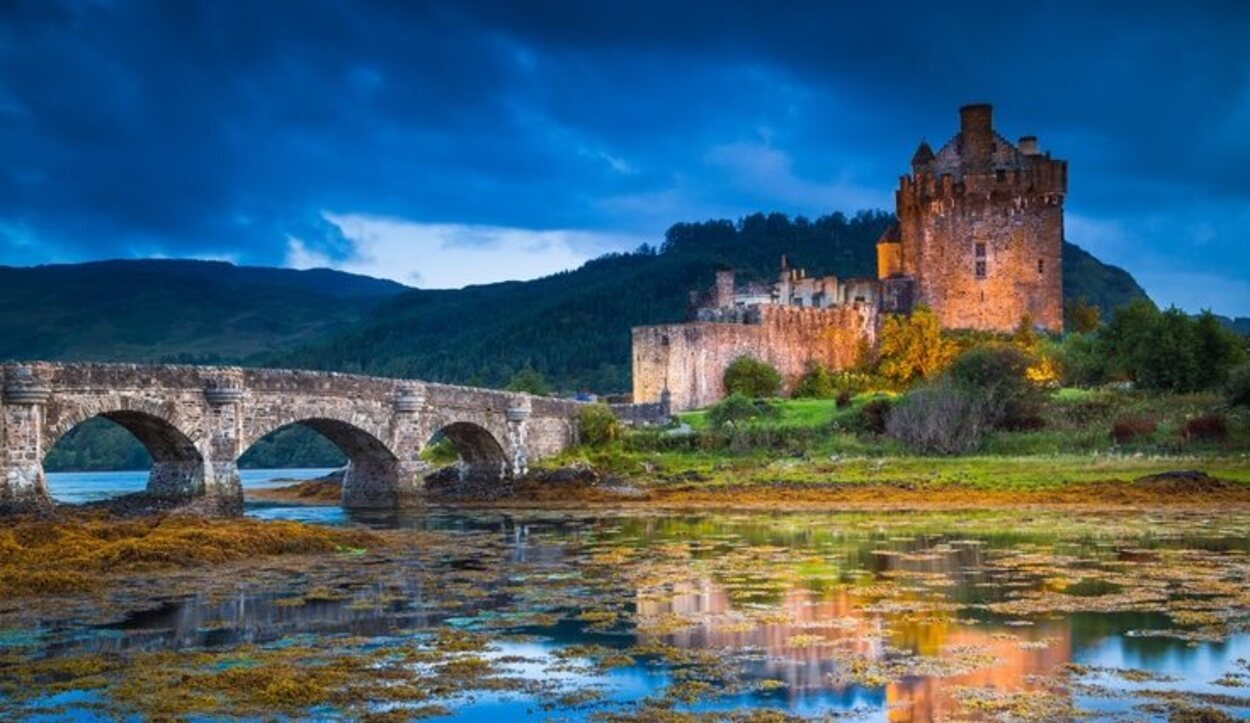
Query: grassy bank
[[814, 443]]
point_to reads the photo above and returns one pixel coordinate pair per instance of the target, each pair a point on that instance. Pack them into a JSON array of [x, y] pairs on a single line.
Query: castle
[[978, 239]]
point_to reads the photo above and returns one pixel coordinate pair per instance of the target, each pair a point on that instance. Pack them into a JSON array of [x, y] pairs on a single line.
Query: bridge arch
[[178, 463], [482, 449], [374, 476]]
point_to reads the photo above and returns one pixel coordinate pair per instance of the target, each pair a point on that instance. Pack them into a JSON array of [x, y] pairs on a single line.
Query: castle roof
[[949, 159], [923, 154], [892, 234]]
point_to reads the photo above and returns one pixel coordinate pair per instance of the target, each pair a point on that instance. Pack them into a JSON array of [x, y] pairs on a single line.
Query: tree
[[911, 347], [815, 383], [751, 377], [1081, 316], [735, 409], [528, 380], [997, 378], [597, 424]]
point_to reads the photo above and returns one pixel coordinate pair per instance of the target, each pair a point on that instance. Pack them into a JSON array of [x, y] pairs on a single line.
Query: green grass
[[811, 442]]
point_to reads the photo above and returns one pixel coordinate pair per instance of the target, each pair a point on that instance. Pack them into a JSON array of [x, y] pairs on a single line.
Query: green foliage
[[817, 382], [751, 377], [529, 381], [292, 446], [736, 409], [598, 425], [874, 416], [1237, 391], [97, 445], [440, 452], [1081, 316], [1082, 361], [996, 377], [912, 348], [1168, 350]]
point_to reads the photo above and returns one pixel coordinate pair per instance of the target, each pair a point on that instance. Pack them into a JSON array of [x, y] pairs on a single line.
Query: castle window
[[664, 340], [1000, 175], [1041, 266], [980, 268], [980, 251]]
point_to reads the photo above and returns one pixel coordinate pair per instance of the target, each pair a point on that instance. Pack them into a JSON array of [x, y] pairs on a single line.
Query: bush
[[598, 425], [1205, 428], [752, 378], [844, 399], [996, 377], [815, 383], [738, 408], [911, 348], [1128, 429], [1237, 391], [874, 415], [940, 419]]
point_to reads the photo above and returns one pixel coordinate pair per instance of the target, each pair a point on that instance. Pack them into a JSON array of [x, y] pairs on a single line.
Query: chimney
[[976, 135], [724, 289], [1028, 145]]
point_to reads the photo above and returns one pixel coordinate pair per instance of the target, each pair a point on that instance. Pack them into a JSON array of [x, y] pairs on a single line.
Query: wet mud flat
[[658, 615]]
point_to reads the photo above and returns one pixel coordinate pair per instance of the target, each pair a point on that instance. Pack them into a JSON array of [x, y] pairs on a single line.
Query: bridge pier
[[23, 488]]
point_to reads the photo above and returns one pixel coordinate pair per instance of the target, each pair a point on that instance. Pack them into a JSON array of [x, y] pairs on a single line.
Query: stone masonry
[[197, 421]]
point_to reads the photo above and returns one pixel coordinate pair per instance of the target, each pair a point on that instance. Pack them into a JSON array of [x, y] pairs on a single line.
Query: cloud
[[187, 128], [445, 256]]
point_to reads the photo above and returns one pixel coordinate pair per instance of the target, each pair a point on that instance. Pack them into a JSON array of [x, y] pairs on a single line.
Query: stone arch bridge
[[197, 421]]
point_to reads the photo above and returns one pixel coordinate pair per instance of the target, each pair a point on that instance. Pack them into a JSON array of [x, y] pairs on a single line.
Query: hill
[[573, 327], [164, 310]]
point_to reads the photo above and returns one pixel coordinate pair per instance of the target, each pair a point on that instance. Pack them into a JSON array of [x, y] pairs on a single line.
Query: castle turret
[[981, 230]]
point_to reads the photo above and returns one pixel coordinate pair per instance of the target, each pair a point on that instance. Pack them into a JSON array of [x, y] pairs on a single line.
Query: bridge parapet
[[196, 421]]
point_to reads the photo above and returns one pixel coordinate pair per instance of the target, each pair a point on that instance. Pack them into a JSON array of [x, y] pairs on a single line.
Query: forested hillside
[[573, 327], [159, 310]]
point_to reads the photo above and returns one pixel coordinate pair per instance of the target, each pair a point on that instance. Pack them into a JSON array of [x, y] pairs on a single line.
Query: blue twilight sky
[[441, 144]]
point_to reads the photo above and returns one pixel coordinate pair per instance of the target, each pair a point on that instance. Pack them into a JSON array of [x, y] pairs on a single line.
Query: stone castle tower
[[979, 237]]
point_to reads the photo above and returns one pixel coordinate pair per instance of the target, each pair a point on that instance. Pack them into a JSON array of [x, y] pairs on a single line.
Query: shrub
[[598, 425], [912, 348], [874, 415], [996, 377], [751, 377], [738, 408], [1127, 429], [940, 419], [1237, 391], [1205, 428], [815, 383], [844, 399]]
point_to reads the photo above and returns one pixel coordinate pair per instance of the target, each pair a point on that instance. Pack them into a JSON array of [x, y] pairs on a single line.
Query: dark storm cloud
[[231, 128]]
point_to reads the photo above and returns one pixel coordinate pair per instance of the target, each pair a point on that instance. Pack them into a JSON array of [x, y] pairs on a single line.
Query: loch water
[[994, 615]]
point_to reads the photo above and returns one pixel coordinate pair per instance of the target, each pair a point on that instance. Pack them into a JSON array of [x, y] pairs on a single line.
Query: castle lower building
[[978, 239]]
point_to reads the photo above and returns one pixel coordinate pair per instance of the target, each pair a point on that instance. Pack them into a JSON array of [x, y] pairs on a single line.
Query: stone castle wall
[[690, 359], [949, 229]]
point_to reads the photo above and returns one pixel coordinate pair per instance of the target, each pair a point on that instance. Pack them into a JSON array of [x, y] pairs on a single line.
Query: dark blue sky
[[442, 144]]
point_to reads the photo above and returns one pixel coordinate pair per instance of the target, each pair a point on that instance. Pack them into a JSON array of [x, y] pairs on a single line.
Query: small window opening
[[664, 340], [980, 268], [1041, 266], [980, 251], [1000, 174]]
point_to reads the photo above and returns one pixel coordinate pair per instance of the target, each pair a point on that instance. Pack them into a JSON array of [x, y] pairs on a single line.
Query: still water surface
[[882, 616]]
